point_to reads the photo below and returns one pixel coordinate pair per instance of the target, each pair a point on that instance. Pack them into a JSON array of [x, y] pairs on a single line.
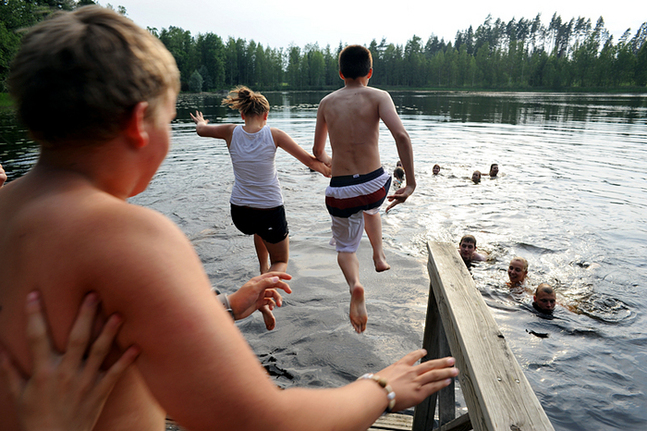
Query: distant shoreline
[[6, 102]]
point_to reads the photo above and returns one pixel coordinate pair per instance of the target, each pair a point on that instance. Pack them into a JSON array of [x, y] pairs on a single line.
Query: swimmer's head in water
[[467, 247], [494, 169], [517, 271], [476, 177], [544, 299], [399, 173], [436, 169]]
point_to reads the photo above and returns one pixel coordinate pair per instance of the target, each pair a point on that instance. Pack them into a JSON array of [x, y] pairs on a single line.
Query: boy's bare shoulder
[[98, 221], [113, 218], [328, 97], [354, 96]]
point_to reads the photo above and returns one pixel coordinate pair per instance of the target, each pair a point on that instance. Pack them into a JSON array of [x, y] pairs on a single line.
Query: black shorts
[[268, 223]]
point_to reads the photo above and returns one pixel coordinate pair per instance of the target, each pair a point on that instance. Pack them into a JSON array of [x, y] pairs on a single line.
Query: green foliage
[[18, 15], [5, 100], [195, 82], [519, 54]]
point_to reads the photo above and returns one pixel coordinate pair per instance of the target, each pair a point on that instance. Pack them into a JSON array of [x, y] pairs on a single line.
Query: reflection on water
[[17, 151], [570, 198]]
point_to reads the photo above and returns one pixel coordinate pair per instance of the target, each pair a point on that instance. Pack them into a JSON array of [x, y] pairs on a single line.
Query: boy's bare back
[[351, 117], [58, 224]]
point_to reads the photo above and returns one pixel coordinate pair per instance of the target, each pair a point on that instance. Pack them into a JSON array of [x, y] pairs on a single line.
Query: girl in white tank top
[[256, 199]]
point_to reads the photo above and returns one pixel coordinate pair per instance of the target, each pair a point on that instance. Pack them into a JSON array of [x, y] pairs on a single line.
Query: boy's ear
[[341, 75], [135, 129], [370, 73]]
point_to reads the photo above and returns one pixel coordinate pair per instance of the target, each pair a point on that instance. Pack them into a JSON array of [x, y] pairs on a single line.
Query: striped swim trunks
[[350, 194]]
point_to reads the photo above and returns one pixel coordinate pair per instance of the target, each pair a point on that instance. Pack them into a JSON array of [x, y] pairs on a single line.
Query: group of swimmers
[[98, 94], [544, 298], [398, 173], [494, 171]]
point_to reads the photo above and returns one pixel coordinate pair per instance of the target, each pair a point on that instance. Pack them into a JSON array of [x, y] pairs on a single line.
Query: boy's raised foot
[[380, 263], [358, 314]]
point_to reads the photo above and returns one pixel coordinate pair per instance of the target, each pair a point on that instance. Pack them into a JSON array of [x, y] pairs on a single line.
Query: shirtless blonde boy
[[98, 93], [350, 117]]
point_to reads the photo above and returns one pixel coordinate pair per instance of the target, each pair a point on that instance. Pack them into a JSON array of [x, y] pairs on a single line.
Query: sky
[[281, 23]]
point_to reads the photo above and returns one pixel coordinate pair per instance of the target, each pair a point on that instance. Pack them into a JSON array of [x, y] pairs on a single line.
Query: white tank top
[[256, 180]]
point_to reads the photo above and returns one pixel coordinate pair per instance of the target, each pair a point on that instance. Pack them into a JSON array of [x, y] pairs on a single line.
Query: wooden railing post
[[496, 391], [435, 342], [447, 395], [423, 417]]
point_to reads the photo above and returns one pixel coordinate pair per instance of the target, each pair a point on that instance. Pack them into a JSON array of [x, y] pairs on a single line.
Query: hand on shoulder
[[66, 392]]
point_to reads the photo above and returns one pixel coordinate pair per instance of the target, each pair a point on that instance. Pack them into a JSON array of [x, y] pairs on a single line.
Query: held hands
[[413, 383], [66, 392], [198, 118], [324, 158], [400, 196], [322, 168], [258, 292]]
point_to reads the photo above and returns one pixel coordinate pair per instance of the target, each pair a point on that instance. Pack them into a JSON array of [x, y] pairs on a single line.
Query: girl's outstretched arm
[[218, 131], [284, 141]]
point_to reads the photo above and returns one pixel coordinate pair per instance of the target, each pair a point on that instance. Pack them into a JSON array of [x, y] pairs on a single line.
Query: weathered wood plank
[[459, 424], [393, 421], [423, 418], [497, 393], [447, 395]]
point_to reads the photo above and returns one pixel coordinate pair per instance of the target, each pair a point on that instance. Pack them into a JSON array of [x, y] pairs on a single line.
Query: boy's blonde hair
[[78, 75], [247, 102]]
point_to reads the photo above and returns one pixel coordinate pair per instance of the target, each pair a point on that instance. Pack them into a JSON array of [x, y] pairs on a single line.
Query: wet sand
[[314, 343]]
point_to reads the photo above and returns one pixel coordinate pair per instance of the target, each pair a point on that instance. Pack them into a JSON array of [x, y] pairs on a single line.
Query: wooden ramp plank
[[496, 391], [392, 421]]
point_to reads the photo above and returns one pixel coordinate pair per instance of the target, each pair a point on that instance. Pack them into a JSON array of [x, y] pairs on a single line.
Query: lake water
[[571, 197]]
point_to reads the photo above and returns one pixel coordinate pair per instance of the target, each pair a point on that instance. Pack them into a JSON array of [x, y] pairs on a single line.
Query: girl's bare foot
[[268, 317]]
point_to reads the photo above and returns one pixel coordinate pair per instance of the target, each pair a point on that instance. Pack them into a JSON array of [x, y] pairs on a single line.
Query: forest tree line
[[519, 54]]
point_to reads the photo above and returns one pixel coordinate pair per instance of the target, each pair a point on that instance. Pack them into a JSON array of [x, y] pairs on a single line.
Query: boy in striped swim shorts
[[350, 117]]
